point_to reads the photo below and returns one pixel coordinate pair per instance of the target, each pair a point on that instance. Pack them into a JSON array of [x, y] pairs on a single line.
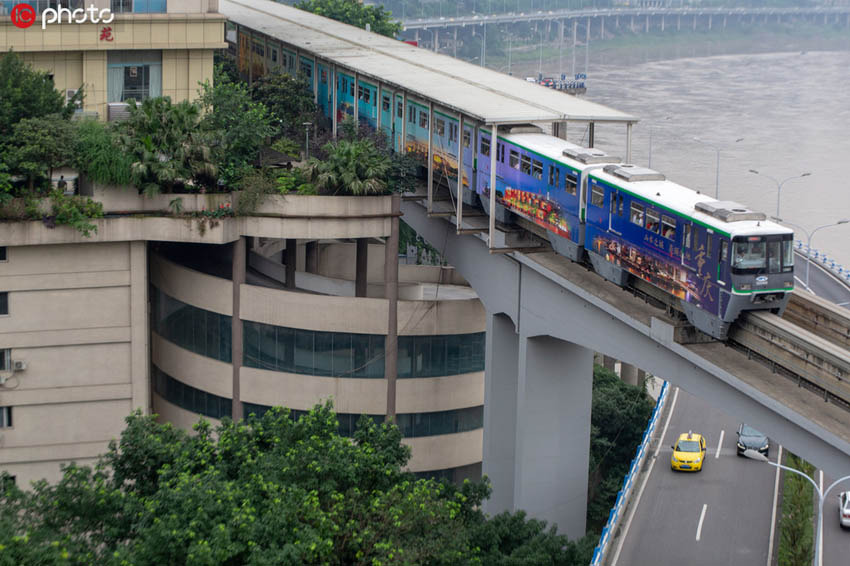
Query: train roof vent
[[589, 155], [729, 211], [524, 129], [634, 173]]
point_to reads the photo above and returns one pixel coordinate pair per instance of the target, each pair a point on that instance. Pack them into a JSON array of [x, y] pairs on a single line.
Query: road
[[836, 542], [721, 515], [821, 282]]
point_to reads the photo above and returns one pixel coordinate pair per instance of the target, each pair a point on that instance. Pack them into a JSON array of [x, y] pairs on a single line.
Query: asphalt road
[[721, 515], [821, 283]]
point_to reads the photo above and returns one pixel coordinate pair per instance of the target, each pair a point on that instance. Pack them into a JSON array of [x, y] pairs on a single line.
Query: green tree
[[351, 167], [97, 154], [167, 146], [796, 532], [289, 100], [355, 13], [24, 93], [239, 125], [39, 145]]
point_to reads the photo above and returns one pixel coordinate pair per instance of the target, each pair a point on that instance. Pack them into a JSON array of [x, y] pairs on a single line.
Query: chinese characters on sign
[[106, 34]]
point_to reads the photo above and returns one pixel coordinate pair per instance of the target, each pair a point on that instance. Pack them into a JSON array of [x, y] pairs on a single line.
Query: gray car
[[751, 439]]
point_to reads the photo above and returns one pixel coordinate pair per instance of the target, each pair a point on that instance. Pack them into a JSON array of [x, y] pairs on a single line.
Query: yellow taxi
[[688, 453]]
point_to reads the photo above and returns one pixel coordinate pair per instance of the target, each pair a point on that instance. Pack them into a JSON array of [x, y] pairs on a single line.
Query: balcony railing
[[139, 6]]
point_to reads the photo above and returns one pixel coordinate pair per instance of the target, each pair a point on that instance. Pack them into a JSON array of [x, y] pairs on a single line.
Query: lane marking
[[773, 513], [633, 509], [719, 444], [701, 517]]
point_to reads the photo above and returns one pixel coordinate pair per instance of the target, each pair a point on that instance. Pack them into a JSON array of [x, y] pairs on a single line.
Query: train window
[[367, 95], [724, 250], [351, 85], [423, 119], [570, 183], [554, 176], [686, 243], [324, 77], [597, 196], [440, 126], [708, 238], [514, 159], [467, 138], [411, 114], [749, 253], [652, 220], [525, 164], [485, 146], [787, 255], [385, 103], [636, 214], [399, 112], [501, 153], [360, 92], [620, 204], [774, 259], [612, 209], [668, 227], [452, 132], [537, 170]]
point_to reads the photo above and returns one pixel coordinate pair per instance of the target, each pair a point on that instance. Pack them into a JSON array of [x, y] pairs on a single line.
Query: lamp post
[[759, 457], [809, 240], [307, 139], [717, 170], [779, 184]]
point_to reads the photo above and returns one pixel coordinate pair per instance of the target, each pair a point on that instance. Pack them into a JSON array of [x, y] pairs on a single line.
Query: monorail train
[[717, 257]]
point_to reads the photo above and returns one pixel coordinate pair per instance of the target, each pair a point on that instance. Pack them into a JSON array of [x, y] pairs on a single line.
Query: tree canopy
[[24, 93], [355, 13], [269, 490]]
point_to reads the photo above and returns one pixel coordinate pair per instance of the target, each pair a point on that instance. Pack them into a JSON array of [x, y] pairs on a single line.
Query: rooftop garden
[[232, 138]]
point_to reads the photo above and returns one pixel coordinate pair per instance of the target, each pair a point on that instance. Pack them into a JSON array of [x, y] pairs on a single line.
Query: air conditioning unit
[[19, 365]]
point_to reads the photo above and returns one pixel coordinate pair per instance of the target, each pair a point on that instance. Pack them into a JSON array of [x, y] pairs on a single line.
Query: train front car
[[540, 178], [641, 225]]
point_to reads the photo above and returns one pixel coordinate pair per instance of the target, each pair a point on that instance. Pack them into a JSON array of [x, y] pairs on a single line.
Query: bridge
[[546, 315]]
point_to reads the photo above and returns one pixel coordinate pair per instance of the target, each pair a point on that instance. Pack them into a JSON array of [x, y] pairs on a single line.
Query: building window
[[138, 6], [5, 417], [133, 74], [189, 398], [5, 359], [423, 119], [6, 481], [4, 302], [201, 331], [3, 253], [414, 425]]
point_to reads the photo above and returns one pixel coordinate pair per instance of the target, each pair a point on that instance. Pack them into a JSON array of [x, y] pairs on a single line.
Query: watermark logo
[[23, 15]]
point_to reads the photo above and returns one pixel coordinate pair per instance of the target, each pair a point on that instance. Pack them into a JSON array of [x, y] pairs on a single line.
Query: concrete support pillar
[[591, 134], [391, 294], [312, 257], [290, 257], [361, 267], [662, 23], [602, 27], [679, 23], [632, 25], [500, 409], [608, 362], [647, 24], [436, 40], [554, 397], [238, 278], [628, 373], [709, 22], [695, 22], [140, 335], [724, 22]]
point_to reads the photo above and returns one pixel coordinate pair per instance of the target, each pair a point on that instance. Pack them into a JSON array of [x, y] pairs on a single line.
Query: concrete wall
[[78, 318]]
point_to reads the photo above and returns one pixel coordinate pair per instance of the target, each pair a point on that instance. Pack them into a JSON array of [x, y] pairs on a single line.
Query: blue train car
[[718, 258]]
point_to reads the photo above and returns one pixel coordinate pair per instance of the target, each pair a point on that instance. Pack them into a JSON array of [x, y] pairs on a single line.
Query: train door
[[386, 111], [398, 123], [324, 90], [468, 157], [483, 162], [307, 71], [723, 269]]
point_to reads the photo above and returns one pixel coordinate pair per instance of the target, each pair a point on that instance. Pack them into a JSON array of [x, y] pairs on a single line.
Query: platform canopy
[[478, 93]]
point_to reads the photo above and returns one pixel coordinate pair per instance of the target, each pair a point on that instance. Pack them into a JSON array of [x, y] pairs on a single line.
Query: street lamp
[[759, 457], [307, 139], [779, 184], [717, 171], [809, 240]]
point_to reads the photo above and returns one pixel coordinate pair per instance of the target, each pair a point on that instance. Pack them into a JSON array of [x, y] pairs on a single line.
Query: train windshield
[[763, 254]]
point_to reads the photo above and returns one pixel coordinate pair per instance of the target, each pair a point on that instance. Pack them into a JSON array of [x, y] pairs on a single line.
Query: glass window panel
[[405, 356], [267, 347], [250, 343], [422, 356], [570, 183], [285, 349], [343, 358], [304, 351], [226, 338], [668, 227], [525, 164], [636, 214], [537, 170], [597, 196], [652, 220], [323, 358], [514, 159]]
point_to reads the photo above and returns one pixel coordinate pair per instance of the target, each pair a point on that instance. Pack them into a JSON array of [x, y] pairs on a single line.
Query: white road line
[[633, 510], [719, 444], [701, 517], [773, 513]]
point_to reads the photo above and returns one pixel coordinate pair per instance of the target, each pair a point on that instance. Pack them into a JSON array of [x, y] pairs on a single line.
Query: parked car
[[751, 439], [844, 509], [688, 452]]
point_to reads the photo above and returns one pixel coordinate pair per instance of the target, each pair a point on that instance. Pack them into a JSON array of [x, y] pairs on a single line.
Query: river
[[781, 113]]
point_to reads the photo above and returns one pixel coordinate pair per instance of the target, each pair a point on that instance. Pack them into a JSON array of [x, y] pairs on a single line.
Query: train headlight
[[789, 284]]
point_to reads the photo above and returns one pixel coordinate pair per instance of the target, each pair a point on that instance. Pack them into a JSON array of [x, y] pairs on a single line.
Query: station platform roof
[[479, 93]]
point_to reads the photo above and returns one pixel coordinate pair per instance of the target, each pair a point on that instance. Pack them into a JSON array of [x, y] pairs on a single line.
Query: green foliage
[[268, 490], [39, 145], [97, 154], [6, 187], [289, 101], [24, 94], [287, 146], [351, 167], [795, 523], [76, 212], [619, 417], [167, 146], [355, 13], [254, 186], [294, 180], [239, 125]]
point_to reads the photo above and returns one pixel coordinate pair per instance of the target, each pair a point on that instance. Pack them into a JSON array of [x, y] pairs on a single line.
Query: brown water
[[790, 111]]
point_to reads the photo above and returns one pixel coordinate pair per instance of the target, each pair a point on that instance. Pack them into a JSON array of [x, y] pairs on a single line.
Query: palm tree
[[354, 167]]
